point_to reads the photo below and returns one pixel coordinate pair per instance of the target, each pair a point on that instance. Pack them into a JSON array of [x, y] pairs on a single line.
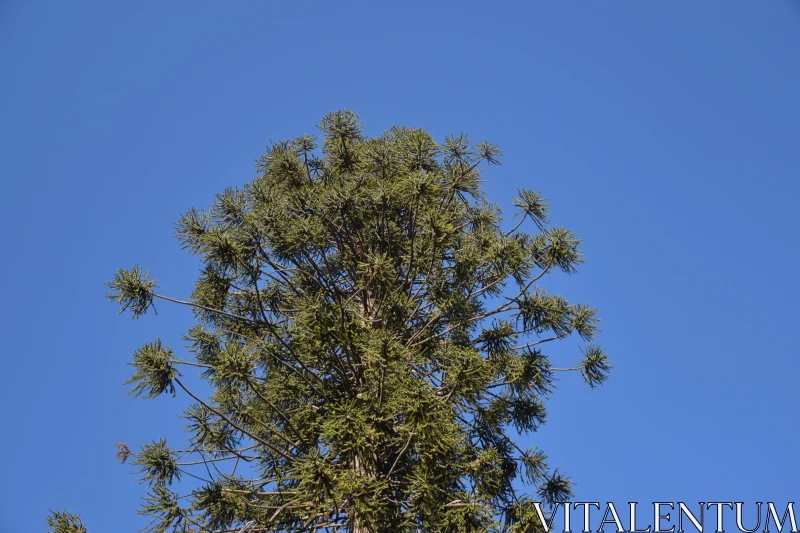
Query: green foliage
[[64, 522], [555, 488], [534, 205], [155, 371], [132, 289], [163, 507], [158, 464], [370, 335], [594, 366]]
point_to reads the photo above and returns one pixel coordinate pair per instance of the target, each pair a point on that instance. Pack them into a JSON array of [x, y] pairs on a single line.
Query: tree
[[371, 336]]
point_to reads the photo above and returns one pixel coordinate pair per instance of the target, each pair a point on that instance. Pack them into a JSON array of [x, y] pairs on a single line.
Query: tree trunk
[[356, 525]]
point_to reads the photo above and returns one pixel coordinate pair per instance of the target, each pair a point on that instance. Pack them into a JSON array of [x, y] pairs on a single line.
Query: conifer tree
[[374, 343]]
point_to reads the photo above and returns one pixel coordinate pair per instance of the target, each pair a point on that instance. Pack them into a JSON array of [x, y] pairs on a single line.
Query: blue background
[[664, 133]]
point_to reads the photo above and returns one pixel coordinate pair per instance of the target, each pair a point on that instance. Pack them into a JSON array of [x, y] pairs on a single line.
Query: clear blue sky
[[665, 133]]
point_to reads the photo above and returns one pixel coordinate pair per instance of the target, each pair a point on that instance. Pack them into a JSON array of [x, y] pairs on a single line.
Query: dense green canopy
[[370, 335]]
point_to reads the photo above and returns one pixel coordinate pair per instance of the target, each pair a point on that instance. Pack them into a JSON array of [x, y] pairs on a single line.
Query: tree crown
[[370, 335]]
